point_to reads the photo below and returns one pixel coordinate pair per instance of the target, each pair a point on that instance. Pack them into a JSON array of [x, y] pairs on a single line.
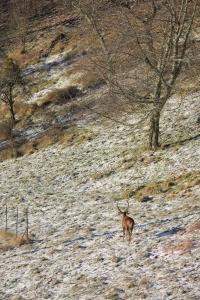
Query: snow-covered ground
[[78, 251], [52, 70]]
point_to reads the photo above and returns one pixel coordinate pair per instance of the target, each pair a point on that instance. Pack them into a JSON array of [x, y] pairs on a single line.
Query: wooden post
[[27, 224], [17, 217], [6, 227]]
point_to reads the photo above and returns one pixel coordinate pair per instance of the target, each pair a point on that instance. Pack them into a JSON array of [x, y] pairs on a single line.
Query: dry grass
[[194, 227], [170, 186], [84, 75], [4, 112], [27, 148], [49, 137], [6, 153], [180, 247], [188, 87], [75, 135], [60, 96], [187, 244], [24, 110], [25, 59], [9, 241], [55, 134], [20, 57], [144, 281], [5, 131], [103, 174], [132, 284], [90, 80], [35, 51]]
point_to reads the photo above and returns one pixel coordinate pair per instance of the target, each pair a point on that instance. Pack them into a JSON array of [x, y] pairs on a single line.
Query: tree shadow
[[181, 142]]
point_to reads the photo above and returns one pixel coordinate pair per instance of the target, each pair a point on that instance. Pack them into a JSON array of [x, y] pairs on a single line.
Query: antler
[[126, 210], [119, 209], [127, 207]]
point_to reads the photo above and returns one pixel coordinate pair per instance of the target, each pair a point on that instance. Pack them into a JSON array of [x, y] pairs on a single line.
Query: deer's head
[[123, 212]]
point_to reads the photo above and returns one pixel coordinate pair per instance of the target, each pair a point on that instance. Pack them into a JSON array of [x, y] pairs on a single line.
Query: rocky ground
[[77, 250]]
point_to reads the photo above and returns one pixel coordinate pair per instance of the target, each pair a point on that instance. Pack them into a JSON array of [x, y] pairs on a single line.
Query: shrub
[[60, 96], [90, 80], [194, 227], [23, 109], [6, 153], [49, 137], [5, 131], [180, 247], [171, 186], [8, 240], [75, 135]]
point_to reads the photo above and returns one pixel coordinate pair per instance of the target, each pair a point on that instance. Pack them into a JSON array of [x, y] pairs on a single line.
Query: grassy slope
[[78, 252], [78, 249]]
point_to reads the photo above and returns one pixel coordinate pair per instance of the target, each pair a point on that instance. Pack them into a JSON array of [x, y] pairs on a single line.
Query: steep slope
[[77, 251]]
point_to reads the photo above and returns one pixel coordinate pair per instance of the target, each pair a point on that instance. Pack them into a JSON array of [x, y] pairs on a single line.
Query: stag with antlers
[[127, 222]]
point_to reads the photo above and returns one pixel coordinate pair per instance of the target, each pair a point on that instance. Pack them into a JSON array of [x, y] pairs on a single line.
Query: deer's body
[[127, 223]]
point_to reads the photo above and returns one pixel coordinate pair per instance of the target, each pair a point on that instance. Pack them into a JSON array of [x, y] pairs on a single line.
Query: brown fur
[[127, 224]]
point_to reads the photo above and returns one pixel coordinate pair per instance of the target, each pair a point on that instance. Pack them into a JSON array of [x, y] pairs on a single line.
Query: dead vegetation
[[6, 153], [5, 131], [187, 243], [195, 227], [73, 35], [55, 134], [9, 240], [180, 247], [49, 137], [103, 174], [84, 75], [23, 111], [75, 135], [60, 96], [169, 187]]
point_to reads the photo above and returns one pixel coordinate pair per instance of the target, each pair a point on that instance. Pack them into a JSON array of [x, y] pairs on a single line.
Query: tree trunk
[[23, 50], [11, 106], [154, 130], [13, 120], [12, 114]]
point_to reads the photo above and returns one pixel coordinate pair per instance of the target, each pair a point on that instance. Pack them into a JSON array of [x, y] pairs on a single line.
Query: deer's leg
[[124, 233], [129, 235], [130, 232]]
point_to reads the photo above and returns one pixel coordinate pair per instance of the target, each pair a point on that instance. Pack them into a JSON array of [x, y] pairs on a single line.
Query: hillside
[[77, 250], [76, 152]]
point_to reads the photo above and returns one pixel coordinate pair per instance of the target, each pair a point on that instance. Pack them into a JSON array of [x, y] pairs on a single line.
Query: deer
[[127, 222]]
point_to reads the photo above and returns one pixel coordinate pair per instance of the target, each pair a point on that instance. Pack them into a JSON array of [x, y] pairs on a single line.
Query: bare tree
[[153, 33], [19, 16], [166, 61], [11, 78]]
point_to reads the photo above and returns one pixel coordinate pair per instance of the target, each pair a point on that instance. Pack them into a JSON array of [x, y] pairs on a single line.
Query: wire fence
[[16, 221]]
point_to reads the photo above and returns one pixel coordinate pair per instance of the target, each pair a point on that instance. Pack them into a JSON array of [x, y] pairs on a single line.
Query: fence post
[[17, 217], [27, 224], [6, 226]]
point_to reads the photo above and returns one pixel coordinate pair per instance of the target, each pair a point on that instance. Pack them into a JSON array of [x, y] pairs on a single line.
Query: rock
[[146, 199]]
